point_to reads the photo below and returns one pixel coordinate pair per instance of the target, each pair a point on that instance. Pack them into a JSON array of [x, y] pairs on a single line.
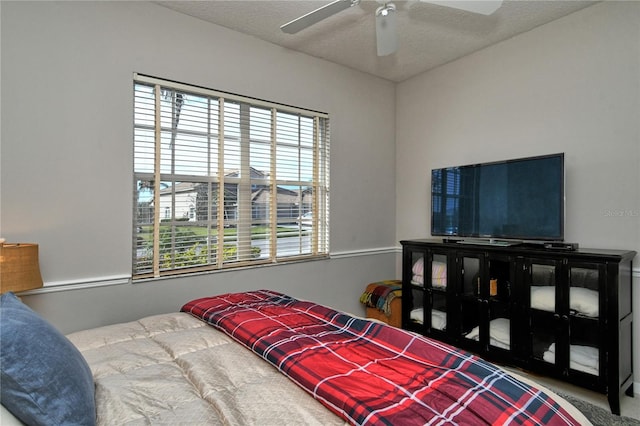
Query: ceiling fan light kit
[[386, 18], [386, 29], [385, 9]]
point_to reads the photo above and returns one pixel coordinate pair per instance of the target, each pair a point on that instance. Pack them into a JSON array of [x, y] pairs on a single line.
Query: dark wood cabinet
[[562, 313]]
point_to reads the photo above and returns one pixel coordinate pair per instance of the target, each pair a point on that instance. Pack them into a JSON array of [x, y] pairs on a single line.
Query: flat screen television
[[520, 199]]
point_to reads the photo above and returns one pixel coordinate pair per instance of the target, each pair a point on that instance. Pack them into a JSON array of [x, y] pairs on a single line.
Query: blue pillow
[[45, 380]]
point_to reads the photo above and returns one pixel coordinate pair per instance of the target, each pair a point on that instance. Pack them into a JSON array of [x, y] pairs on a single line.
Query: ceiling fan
[[386, 25]]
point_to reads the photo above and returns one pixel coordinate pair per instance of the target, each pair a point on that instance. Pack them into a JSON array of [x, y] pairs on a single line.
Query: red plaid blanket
[[371, 373]]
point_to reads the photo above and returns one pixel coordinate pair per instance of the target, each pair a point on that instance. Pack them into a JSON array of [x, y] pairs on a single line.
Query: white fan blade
[[317, 15], [386, 33], [484, 7]]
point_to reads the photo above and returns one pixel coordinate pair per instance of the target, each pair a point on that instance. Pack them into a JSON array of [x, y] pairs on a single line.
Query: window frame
[[150, 173]]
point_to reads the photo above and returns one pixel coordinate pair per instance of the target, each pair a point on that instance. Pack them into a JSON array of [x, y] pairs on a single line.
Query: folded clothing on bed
[[581, 358], [371, 373]]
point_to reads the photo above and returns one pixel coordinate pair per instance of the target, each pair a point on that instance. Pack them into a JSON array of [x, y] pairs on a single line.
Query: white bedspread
[[174, 369]]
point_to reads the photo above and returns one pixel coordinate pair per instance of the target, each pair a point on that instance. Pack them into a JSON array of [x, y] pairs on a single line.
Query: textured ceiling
[[428, 35]]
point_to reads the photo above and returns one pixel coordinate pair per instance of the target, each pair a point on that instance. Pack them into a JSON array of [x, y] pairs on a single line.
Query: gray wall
[[570, 86], [66, 163]]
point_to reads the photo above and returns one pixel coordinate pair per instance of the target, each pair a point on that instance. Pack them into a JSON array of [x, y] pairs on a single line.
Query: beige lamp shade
[[19, 267]]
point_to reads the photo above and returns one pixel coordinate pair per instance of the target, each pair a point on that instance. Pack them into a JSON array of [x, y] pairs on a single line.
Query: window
[[238, 181]]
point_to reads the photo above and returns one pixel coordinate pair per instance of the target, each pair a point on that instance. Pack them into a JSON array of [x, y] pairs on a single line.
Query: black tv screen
[[520, 199]]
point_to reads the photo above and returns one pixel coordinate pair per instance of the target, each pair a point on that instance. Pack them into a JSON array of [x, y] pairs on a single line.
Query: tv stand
[[527, 306]]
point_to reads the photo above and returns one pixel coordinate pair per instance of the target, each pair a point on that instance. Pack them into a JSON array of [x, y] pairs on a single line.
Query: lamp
[[19, 267]]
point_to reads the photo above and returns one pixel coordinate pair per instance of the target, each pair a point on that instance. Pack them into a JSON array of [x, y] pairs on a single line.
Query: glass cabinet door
[[564, 318], [497, 291], [437, 290], [544, 317], [486, 301], [414, 301], [427, 306], [469, 279], [585, 281]]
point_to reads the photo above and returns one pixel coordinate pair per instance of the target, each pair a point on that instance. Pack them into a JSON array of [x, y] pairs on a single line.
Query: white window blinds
[[225, 181]]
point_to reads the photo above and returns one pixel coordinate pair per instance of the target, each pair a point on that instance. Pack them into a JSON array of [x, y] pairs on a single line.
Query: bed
[[257, 357]]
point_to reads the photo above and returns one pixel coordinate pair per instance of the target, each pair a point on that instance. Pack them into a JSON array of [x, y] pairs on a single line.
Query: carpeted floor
[[598, 415]]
